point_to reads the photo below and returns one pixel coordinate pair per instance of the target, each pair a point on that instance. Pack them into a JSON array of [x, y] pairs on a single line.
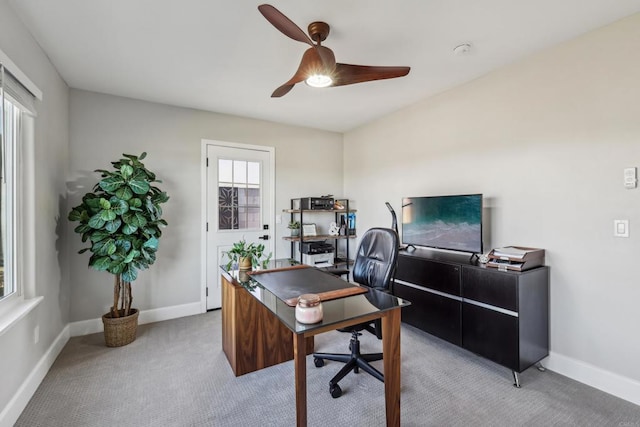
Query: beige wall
[[308, 162], [545, 140], [19, 354]]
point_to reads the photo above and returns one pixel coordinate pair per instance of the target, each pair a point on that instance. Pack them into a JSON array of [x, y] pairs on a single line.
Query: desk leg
[[300, 364], [391, 351]]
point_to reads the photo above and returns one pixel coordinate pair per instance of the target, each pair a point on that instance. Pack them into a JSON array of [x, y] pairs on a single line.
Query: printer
[[317, 253], [316, 247]]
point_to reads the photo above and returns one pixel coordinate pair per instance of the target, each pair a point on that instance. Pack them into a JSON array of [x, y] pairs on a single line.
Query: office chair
[[374, 267]]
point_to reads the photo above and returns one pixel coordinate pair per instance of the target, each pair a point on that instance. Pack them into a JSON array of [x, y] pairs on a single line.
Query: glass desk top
[[334, 311]]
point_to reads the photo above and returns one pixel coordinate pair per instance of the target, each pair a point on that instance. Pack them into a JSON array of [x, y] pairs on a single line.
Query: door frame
[[203, 203]]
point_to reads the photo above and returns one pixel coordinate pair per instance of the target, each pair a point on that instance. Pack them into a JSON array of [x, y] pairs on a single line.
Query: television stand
[[500, 315]]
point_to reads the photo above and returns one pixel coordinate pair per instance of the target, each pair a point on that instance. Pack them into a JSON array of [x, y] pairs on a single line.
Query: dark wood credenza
[[500, 315]]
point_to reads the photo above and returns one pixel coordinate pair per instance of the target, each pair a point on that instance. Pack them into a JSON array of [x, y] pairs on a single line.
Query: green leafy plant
[[122, 220], [243, 250], [294, 225]]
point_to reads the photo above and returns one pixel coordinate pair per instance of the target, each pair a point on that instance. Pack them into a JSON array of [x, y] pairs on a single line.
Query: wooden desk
[[245, 345], [252, 337]]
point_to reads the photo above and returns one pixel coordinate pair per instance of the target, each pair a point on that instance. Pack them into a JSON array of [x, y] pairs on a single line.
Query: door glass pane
[[225, 170], [253, 173], [240, 171], [239, 195], [227, 207]]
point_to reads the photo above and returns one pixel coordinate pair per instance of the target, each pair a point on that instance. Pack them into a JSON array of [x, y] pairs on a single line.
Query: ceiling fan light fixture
[[318, 67], [319, 80]]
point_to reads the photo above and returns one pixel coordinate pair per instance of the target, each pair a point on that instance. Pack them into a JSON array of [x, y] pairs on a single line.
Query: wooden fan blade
[[298, 77], [282, 90], [346, 74], [285, 88], [284, 24], [290, 29]]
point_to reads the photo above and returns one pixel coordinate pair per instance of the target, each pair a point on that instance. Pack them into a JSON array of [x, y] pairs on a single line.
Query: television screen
[[443, 222]]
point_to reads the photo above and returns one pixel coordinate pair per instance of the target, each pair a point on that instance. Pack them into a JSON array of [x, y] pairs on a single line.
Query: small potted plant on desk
[[294, 226], [246, 255]]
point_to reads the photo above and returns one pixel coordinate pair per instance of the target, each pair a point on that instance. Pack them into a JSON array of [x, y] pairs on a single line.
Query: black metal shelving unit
[[341, 265]]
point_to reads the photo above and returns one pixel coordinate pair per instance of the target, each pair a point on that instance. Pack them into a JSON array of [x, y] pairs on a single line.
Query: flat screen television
[[443, 222]]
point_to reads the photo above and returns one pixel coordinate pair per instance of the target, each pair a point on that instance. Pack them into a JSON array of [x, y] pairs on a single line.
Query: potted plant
[[246, 255], [121, 220], [294, 226]]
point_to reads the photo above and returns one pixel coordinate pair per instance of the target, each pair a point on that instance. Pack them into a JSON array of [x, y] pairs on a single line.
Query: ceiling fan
[[318, 67]]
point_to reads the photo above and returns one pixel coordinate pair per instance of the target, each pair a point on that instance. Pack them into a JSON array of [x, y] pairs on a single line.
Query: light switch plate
[[621, 228], [630, 178]]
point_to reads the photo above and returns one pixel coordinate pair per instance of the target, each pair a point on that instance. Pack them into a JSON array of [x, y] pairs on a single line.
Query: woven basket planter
[[119, 331]]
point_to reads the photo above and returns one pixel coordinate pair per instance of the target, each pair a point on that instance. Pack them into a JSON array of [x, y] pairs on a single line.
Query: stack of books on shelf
[[516, 258]]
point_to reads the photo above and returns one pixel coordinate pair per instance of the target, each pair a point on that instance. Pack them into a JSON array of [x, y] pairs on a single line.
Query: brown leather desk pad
[[290, 282]]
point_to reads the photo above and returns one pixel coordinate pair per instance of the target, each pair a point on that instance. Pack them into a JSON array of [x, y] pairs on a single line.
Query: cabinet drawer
[[491, 334], [434, 275], [491, 287], [435, 314]]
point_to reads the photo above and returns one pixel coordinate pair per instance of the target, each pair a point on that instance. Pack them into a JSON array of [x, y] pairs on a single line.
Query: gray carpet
[[175, 374]]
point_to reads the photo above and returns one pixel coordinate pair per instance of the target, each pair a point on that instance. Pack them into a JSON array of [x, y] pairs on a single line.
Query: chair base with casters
[[373, 267], [353, 362]]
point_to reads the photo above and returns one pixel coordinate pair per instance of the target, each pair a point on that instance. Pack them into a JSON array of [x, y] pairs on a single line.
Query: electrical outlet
[[621, 228]]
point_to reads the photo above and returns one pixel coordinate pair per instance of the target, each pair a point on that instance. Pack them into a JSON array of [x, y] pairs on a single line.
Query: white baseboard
[[14, 408], [167, 313], [92, 326], [609, 382]]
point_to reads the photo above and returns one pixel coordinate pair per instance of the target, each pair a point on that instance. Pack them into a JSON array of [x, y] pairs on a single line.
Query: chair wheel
[[335, 391], [318, 362]]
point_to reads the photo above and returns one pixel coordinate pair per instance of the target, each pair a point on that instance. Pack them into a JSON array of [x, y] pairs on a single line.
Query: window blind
[[10, 86]]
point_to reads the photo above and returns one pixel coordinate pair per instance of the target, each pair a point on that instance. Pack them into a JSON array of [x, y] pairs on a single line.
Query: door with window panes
[[239, 207]]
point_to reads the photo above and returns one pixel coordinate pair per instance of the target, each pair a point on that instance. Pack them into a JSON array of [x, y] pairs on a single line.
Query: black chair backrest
[[376, 258]]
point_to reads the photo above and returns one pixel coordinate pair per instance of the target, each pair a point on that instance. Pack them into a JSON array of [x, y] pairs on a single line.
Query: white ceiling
[[224, 56]]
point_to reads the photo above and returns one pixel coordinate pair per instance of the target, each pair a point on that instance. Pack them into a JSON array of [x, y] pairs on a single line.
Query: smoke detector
[[462, 49]]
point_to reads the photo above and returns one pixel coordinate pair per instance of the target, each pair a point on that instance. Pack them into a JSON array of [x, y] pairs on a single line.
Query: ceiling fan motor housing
[[318, 31]]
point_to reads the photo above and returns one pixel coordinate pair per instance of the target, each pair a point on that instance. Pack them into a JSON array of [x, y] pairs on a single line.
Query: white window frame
[[23, 300], [10, 169]]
